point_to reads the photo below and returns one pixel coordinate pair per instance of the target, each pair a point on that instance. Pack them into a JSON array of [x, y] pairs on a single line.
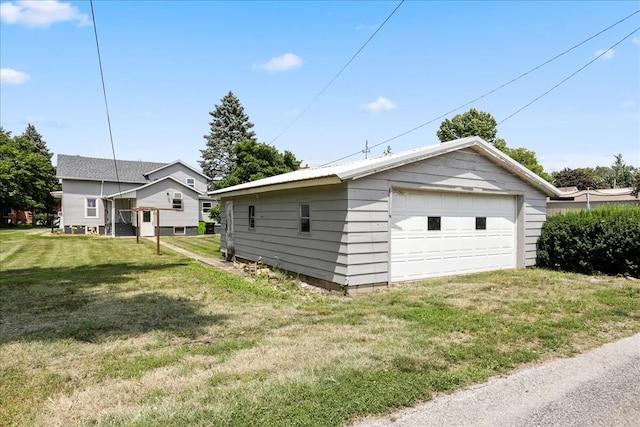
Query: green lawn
[[207, 245], [98, 331]]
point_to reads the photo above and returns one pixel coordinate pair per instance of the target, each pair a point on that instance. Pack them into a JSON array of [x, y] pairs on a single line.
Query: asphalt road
[[598, 388]]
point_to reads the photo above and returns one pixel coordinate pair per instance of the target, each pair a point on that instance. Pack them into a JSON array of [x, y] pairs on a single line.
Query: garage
[[445, 233]]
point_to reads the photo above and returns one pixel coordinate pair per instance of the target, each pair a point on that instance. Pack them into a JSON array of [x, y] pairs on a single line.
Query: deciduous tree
[[27, 177], [257, 160], [484, 125], [582, 178]]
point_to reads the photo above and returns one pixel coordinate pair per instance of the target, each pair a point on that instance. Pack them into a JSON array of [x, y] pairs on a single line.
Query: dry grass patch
[[140, 339]]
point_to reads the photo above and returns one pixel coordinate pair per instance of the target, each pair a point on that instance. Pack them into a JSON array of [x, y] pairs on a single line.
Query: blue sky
[[167, 64]]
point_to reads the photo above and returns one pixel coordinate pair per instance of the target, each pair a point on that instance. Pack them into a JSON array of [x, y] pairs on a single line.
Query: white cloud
[[13, 77], [627, 104], [635, 40], [285, 62], [40, 14], [379, 104], [606, 54]]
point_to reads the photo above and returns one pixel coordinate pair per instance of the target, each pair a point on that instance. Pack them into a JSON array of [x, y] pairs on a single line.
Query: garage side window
[[91, 207], [481, 223], [433, 223], [305, 218], [252, 217]]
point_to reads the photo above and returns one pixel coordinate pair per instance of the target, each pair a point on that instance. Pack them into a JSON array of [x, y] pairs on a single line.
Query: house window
[[252, 217], [179, 231], [91, 207], [433, 223], [177, 200], [191, 182], [305, 218], [481, 223], [206, 207]]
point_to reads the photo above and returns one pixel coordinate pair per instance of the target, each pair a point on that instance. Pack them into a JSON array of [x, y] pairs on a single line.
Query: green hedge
[[603, 240]]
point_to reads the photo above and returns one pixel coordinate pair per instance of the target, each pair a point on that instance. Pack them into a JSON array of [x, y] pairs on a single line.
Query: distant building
[[575, 199]]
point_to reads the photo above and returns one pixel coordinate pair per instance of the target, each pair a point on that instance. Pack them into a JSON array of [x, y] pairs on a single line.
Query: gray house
[[99, 196], [457, 207]]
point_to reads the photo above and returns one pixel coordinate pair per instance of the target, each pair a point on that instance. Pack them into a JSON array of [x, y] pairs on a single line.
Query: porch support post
[[113, 217], [158, 231]]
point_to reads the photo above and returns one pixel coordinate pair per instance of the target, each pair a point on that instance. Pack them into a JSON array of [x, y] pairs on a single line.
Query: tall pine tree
[[229, 126]]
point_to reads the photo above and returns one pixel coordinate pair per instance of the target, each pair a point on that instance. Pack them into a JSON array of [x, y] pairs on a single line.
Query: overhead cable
[[104, 95], [497, 89], [338, 73], [569, 76]]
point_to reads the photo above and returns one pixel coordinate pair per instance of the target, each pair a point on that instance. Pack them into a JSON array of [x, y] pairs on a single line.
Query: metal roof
[[362, 168]]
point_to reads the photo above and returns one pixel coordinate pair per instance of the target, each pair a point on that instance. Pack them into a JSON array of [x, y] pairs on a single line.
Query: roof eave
[[328, 180]]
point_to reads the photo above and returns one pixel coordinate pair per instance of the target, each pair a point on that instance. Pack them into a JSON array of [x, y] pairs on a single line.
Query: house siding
[[181, 173], [156, 196], [73, 202]]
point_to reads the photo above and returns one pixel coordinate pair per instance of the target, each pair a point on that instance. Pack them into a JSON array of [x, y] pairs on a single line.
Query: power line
[[498, 88], [338, 73], [569, 76], [104, 95]]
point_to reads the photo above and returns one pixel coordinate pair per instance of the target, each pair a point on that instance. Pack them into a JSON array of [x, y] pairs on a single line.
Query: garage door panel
[[457, 247]]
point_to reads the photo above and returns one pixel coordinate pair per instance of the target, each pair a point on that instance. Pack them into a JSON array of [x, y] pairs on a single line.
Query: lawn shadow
[[87, 303]]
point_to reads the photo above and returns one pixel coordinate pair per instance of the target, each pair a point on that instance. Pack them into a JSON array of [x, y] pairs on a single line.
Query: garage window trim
[[252, 217], [305, 218]]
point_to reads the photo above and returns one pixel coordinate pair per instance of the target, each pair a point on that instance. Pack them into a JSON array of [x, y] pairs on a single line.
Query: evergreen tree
[[229, 126], [39, 145]]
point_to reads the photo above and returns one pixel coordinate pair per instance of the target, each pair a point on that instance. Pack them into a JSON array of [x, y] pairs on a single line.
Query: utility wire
[[338, 73], [569, 76], [501, 87], [104, 95]]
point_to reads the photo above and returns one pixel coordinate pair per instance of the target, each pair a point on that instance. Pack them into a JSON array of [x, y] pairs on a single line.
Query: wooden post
[[137, 226], [158, 231]]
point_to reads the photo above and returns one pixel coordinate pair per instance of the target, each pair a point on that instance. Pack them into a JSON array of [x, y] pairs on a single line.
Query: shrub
[[603, 240]]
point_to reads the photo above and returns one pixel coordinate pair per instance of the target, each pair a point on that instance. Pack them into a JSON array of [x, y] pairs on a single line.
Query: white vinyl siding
[[161, 195]]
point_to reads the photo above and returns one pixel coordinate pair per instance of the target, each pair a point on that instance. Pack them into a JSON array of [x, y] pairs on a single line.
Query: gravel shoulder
[[597, 388]]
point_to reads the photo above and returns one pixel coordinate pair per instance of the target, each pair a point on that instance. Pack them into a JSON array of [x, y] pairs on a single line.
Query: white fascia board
[[188, 166], [292, 185]]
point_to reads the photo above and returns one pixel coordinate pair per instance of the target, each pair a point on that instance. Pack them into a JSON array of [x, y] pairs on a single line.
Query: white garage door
[[439, 234]]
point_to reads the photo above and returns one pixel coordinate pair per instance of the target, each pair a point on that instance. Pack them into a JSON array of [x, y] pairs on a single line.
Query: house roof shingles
[[90, 168]]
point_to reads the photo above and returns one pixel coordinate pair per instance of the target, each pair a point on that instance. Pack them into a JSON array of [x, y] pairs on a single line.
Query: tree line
[[27, 176]]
